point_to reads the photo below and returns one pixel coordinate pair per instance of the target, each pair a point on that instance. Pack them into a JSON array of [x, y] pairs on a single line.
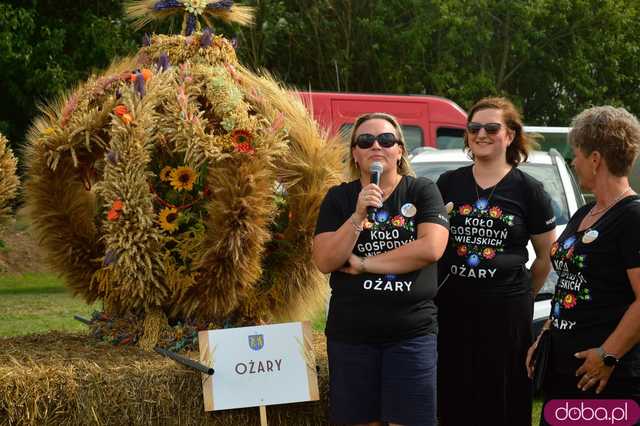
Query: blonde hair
[[404, 166], [613, 132]]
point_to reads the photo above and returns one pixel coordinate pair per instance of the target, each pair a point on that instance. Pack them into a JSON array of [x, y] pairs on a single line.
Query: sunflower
[[165, 173], [183, 178], [168, 219]]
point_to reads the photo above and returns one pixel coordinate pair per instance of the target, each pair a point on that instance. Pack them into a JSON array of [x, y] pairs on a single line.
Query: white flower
[[196, 7]]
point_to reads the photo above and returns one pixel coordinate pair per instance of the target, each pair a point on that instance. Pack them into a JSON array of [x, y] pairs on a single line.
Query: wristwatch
[[608, 359]]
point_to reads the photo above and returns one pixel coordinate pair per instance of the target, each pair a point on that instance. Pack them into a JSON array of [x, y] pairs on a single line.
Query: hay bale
[[72, 379]]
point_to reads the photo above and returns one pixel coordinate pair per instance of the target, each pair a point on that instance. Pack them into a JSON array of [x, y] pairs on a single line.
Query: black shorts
[[391, 382]]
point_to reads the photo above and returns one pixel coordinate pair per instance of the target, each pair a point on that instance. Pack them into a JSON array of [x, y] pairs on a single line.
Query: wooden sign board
[[257, 366]]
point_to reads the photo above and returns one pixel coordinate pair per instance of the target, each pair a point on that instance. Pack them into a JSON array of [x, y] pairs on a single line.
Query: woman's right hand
[[529, 362], [370, 196]]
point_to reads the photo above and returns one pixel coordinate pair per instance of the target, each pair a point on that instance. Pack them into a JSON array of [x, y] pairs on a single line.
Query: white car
[[547, 167]]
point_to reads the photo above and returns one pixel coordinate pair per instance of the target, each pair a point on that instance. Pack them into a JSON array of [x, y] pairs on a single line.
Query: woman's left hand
[[593, 371], [354, 265]]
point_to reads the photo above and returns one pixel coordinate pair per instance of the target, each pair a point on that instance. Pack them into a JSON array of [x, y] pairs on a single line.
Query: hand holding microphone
[[370, 198]]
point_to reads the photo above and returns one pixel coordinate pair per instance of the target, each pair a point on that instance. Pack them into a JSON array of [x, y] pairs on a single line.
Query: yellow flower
[[168, 219], [183, 178], [165, 173]]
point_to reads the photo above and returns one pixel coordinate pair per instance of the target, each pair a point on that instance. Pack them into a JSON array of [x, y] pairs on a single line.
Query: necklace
[[483, 203], [608, 206]]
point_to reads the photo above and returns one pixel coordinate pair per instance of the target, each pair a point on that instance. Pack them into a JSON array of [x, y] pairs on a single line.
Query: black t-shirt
[[593, 290], [382, 308], [489, 231]]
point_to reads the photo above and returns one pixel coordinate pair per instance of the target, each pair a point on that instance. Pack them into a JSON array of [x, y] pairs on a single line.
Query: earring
[[356, 163], [399, 163], [594, 172]]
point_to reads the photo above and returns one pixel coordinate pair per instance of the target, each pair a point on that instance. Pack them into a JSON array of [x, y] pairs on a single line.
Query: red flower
[[398, 221], [241, 137], [569, 253], [569, 301], [488, 253], [117, 205], [465, 210], [244, 147], [113, 215], [120, 110], [495, 212], [462, 250]]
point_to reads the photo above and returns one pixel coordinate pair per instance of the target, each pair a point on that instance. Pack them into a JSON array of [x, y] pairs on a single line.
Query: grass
[[37, 303]]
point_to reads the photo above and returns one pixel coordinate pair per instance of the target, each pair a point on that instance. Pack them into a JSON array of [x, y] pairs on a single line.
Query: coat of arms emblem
[[256, 341]]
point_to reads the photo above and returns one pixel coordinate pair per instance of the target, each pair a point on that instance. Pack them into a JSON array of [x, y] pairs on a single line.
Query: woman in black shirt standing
[[485, 300], [381, 324], [595, 314]]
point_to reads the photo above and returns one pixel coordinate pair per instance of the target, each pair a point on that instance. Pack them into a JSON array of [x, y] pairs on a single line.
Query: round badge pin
[[408, 210], [589, 236]]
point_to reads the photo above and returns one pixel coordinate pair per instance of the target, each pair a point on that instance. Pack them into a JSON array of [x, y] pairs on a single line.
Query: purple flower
[[222, 4], [139, 84], [163, 62], [167, 4], [110, 257], [206, 38], [113, 157], [234, 42], [191, 24], [146, 40]]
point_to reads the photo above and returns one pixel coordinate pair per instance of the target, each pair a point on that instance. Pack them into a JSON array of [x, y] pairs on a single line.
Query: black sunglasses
[[366, 140], [490, 128]]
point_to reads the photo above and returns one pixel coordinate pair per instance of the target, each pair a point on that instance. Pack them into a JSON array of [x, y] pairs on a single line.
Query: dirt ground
[[21, 252]]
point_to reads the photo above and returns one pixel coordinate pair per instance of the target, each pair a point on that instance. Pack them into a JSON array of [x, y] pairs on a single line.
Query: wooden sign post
[[258, 366]]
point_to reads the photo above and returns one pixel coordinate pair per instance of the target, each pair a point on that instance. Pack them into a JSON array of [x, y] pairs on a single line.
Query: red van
[[425, 120]]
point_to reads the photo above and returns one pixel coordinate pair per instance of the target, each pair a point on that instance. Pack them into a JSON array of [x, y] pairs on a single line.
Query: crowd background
[[553, 58]]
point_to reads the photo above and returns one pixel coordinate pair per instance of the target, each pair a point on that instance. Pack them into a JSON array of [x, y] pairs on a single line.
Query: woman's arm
[[425, 250], [625, 336], [331, 250], [542, 263]]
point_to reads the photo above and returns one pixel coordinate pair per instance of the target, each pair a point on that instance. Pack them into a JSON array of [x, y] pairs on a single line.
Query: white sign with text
[[259, 365]]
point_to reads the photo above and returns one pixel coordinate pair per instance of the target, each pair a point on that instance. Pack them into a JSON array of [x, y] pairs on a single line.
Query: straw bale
[[72, 379]]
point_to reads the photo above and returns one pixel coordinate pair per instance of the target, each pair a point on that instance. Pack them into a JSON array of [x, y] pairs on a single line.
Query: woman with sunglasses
[[381, 323], [485, 299]]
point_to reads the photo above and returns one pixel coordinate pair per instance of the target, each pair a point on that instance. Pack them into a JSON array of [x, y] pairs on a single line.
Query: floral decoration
[[168, 219], [183, 178], [165, 173]]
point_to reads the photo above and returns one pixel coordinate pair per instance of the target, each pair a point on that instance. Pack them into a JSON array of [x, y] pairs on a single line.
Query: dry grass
[[71, 379]]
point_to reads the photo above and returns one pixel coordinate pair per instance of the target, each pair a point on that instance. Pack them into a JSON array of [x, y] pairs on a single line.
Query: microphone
[[375, 170]]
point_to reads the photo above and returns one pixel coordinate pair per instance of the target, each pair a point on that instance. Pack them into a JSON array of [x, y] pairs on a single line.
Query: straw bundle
[[67, 379]]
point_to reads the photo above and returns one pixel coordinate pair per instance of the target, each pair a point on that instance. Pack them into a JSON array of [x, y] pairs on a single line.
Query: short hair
[[613, 132], [518, 150], [404, 168]]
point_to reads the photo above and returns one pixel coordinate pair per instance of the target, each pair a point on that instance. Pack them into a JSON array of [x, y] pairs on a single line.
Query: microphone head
[[376, 167]]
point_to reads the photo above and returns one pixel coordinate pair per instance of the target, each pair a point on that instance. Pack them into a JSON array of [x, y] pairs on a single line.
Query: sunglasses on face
[[366, 140], [490, 128]]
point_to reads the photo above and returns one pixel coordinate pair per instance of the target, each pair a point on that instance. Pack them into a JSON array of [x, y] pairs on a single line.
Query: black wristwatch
[[608, 359]]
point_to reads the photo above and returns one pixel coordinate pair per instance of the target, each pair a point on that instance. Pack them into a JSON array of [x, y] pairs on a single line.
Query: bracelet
[[357, 227], [363, 267]]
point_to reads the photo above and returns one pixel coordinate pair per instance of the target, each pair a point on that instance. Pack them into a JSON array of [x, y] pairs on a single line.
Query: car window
[[448, 138], [413, 135], [545, 173]]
